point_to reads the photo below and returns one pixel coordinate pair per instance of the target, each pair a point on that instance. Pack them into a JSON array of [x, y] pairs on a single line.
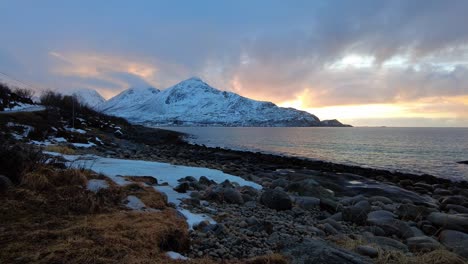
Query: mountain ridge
[[193, 102]]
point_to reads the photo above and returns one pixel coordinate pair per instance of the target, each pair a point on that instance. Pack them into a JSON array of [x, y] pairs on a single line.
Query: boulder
[[367, 251], [307, 203], [281, 182], [396, 227], [413, 212], [352, 200], [381, 199], [321, 252], [455, 199], [378, 216], [422, 244], [232, 196], [357, 213], [205, 181], [456, 208], [219, 193], [450, 221], [455, 241], [387, 243], [330, 205], [182, 187], [276, 199]]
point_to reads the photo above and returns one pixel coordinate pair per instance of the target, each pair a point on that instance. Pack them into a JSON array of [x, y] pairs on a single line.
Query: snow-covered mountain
[[194, 103], [89, 97], [130, 101]]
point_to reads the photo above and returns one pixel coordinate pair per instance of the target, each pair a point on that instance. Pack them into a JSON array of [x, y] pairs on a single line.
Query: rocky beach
[[224, 206], [368, 211]]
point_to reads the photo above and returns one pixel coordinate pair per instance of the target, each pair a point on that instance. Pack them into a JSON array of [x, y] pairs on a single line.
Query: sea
[[433, 151]]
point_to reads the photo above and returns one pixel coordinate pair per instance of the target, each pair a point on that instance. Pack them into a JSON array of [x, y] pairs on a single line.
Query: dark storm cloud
[[270, 50]]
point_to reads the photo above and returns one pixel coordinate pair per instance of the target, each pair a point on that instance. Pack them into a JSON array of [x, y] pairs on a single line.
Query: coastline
[[179, 139]]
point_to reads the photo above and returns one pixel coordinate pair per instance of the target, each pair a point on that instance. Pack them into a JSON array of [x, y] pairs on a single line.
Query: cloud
[[323, 53]]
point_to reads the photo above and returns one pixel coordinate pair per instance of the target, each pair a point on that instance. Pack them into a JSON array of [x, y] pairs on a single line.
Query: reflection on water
[[417, 150]]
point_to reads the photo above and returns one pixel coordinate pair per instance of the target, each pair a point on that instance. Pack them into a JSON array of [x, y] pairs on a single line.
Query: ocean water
[[433, 151]]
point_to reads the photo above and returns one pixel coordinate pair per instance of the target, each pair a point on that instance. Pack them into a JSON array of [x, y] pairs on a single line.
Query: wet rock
[[422, 244], [357, 213], [276, 199], [450, 221], [367, 251], [455, 241], [321, 252]]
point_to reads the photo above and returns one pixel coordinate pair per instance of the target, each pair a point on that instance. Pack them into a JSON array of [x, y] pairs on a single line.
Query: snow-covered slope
[[194, 103], [129, 102], [89, 97]]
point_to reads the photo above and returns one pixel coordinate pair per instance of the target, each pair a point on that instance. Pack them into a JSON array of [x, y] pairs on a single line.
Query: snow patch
[[95, 185], [22, 107], [163, 172], [175, 255], [84, 145], [80, 131]]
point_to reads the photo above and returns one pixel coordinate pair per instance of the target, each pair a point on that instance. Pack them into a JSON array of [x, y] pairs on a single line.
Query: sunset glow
[[337, 61]]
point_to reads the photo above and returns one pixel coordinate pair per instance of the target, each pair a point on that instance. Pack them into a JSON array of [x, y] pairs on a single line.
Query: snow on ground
[[59, 140], [163, 172], [84, 145], [80, 131], [175, 255], [21, 107], [27, 130], [41, 143], [134, 203], [96, 185]]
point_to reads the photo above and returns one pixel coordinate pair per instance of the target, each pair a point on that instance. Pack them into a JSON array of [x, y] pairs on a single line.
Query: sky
[[364, 62]]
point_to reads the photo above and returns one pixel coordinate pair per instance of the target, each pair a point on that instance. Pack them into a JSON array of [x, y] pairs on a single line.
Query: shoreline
[[322, 165]]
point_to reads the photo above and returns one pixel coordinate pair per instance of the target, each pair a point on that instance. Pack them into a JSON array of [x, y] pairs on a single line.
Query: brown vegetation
[[439, 256]]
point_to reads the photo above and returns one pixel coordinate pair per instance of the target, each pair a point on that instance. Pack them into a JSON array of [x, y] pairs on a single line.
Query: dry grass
[[60, 149], [148, 195], [52, 218], [439, 256], [46, 178]]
